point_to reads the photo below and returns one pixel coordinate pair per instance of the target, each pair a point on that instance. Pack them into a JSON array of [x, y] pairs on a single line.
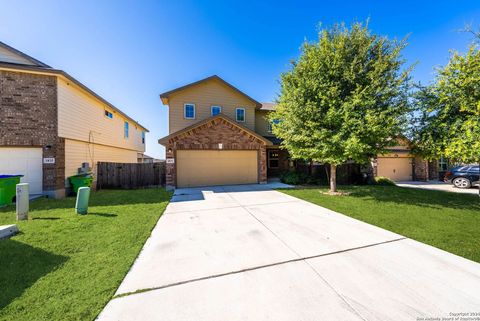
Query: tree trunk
[[333, 178]]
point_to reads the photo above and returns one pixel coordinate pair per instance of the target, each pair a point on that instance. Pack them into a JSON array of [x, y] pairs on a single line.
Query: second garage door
[[23, 161], [216, 167], [397, 169]]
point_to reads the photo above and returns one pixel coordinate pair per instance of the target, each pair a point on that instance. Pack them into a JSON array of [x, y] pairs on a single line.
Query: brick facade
[[424, 170], [28, 118], [208, 136]]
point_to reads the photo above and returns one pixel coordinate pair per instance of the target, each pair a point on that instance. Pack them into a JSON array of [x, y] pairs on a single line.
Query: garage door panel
[[26, 162], [397, 169], [208, 167]]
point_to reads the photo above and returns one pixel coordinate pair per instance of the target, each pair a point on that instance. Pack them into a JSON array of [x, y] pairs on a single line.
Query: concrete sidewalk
[[252, 253]]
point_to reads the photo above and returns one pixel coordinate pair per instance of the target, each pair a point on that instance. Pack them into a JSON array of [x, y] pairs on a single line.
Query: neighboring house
[[145, 159], [399, 164], [50, 124], [220, 135]]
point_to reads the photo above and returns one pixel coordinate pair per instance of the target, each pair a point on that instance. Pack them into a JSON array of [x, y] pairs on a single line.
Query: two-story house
[[218, 135], [50, 124]]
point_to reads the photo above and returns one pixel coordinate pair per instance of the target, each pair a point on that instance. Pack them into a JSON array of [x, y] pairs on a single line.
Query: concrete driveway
[[438, 186], [252, 253]]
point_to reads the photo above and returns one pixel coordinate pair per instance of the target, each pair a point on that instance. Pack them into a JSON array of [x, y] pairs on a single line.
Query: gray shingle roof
[[268, 106]]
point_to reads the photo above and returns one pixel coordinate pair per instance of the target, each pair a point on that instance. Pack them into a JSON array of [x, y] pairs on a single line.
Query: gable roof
[[22, 57], [164, 140], [268, 106], [165, 95], [41, 68]]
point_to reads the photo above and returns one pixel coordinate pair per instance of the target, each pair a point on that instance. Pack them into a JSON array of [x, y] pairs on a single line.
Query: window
[[269, 125], [240, 115], [143, 137], [189, 111], [273, 158], [125, 130], [475, 169], [108, 114], [442, 164], [215, 110]]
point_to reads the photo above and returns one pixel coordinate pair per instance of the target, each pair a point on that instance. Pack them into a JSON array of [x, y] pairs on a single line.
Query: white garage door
[[23, 161]]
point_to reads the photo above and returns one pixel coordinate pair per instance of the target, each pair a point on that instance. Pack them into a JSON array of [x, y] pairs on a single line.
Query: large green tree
[[449, 111], [344, 98]]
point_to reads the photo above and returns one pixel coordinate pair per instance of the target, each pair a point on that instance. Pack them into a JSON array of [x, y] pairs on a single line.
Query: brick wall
[[28, 117], [208, 136], [420, 169], [433, 170]]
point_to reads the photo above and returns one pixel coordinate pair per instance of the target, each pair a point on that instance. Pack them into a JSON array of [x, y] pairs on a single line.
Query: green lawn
[[64, 266], [445, 220]]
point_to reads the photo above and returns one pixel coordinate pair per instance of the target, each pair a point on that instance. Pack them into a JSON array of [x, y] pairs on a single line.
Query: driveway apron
[[249, 252]]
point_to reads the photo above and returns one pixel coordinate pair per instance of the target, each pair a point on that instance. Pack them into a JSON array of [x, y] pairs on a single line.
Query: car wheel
[[461, 182]]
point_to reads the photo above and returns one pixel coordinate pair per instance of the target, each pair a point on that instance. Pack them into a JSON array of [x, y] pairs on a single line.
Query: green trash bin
[[7, 188], [80, 181]]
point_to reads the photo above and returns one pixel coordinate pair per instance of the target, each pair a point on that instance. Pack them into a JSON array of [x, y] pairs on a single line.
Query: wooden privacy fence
[[130, 175]]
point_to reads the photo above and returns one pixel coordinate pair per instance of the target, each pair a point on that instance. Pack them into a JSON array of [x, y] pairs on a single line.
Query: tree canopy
[[344, 98], [450, 110]]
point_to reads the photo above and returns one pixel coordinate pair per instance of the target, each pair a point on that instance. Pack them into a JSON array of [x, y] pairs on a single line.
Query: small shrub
[[384, 181], [293, 178]]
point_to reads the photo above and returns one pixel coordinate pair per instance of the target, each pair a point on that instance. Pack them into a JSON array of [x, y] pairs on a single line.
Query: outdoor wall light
[[169, 150]]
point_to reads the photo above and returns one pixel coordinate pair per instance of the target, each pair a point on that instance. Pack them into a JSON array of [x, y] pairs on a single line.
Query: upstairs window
[[125, 130], [189, 111], [269, 125], [240, 115], [215, 110], [108, 114], [143, 137]]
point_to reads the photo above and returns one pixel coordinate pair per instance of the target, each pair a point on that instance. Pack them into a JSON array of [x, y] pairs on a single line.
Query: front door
[[273, 162]]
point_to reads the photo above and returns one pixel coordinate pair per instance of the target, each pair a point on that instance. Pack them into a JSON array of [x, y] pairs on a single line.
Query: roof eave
[[62, 73], [164, 140], [35, 62], [164, 96]]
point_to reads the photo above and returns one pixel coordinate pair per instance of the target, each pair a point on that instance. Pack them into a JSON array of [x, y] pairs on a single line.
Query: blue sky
[[131, 51]]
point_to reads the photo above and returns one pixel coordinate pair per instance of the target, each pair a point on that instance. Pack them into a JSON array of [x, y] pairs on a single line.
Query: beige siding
[[11, 57], [204, 95], [77, 153], [261, 123], [81, 117]]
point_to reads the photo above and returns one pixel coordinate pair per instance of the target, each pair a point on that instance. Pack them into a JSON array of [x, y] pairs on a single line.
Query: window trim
[[126, 129], [105, 111], [185, 111], [244, 115], [215, 106]]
